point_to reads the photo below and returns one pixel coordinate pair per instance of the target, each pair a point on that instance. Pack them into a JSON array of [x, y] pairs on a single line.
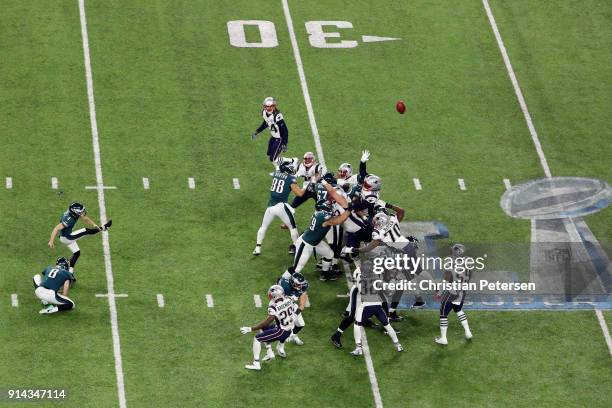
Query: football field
[[143, 111]]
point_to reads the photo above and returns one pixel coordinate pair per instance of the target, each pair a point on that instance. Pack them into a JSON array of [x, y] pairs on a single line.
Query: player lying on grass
[[54, 279], [283, 183], [69, 237], [281, 311], [453, 299]]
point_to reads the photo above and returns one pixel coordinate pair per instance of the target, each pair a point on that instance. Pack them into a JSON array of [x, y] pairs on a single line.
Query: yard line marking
[[100, 187], [54, 183], [604, 329], [461, 184], [317, 139], [257, 300], [100, 184], [119, 295], [9, 182], [342, 296], [14, 300], [417, 184], [191, 183], [209, 301], [145, 183], [300, 68], [507, 184], [517, 90], [236, 184], [570, 226], [160, 300]]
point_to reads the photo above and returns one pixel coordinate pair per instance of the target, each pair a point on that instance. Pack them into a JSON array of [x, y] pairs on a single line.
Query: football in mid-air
[[400, 106]]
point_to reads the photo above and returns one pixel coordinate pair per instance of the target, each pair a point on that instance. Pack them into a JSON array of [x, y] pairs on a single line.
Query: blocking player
[[281, 310], [366, 309], [279, 134], [295, 285], [312, 238], [349, 314], [54, 279], [69, 237], [453, 299], [283, 183]]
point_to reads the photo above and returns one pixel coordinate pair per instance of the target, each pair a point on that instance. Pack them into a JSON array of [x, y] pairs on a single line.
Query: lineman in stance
[[279, 134], [283, 183], [54, 279], [453, 299], [281, 310], [69, 237]]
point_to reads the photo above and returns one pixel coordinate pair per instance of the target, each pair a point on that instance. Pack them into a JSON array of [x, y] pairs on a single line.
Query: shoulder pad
[[278, 117]]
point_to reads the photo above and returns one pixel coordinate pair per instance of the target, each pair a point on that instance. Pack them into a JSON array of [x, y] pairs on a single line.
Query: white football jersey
[[308, 172], [283, 310], [351, 181], [272, 119], [389, 233]]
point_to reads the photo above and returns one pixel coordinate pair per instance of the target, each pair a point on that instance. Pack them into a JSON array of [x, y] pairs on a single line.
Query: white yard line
[[236, 184], [461, 184], [117, 295], [570, 226], [160, 300], [604, 329], [507, 184], [417, 184], [209, 301], [145, 183], [9, 182], [14, 300], [257, 300], [54, 183], [191, 182], [319, 148], [100, 183]]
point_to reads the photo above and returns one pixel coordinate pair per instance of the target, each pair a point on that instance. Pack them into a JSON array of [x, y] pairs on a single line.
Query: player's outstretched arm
[[259, 129], [259, 326], [57, 229], [399, 211], [339, 219], [297, 190], [334, 194]]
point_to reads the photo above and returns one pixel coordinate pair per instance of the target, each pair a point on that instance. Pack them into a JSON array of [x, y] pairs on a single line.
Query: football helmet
[[457, 250], [323, 205], [77, 209], [269, 104], [357, 275], [329, 177], [299, 282], [275, 292], [63, 263], [309, 159], [345, 171], [380, 220], [372, 183], [289, 166]]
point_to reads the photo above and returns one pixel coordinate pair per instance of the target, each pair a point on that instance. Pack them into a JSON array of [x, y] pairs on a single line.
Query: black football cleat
[[107, 225], [291, 249], [418, 304], [335, 339], [394, 317]]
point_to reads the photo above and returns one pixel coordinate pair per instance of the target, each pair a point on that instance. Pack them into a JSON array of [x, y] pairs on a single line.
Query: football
[[400, 106]]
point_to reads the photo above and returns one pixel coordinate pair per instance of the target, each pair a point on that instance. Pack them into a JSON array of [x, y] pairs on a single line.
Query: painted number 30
[[268, 39]]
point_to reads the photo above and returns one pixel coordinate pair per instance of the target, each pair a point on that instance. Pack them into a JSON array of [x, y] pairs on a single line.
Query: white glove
[[365, 156], [245, 330]]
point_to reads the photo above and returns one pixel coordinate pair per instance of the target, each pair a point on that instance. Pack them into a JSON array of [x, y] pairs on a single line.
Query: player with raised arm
[[69, 237], [312, 238], [54, 279], [281, 310], [283, 183], [453, 299], [279, 134]]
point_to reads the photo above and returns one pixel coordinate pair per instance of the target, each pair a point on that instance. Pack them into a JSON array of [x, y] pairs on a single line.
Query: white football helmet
[[309, 159], [457, 250], [275, 292], [345, 171], [372, 183], [269, 104]]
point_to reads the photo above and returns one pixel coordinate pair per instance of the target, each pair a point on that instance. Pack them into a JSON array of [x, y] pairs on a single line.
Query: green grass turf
[[175, 100]]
